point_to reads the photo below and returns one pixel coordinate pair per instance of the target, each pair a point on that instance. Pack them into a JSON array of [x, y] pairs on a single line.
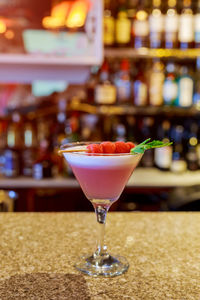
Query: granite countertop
[[37, 251]]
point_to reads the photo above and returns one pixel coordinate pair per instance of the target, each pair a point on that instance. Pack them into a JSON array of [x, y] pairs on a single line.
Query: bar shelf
[[151, 53], [141, 178]]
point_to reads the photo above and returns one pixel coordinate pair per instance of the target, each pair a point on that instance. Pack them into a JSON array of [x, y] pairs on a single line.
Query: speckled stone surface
[[37, 252]]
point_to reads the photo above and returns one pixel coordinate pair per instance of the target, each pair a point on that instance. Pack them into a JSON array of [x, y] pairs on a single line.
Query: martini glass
[[102, 178]]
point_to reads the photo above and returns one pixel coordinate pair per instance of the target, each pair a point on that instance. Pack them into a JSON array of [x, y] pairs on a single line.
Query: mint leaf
[[142, 147]]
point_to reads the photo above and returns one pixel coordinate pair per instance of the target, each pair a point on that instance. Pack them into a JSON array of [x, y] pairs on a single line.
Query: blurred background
[[85, 70]]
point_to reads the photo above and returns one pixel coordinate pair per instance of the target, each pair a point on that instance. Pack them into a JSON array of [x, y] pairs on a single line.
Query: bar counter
[[37, 251]]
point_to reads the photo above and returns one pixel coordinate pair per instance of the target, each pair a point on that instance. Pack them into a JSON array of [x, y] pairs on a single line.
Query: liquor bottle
[[91, 129], [108, 25], [120, 132], [131, 11], [156, 83], [163, 156], [178, 164], [196, 98], [123, 25], [72, 129], [43, 165], [105, 91], [91, 84], [192, 154], [131, 129], [156, 25], [3, 127], [171, 25], [29, 151], [140, 87], [147, 130], [13, 149], [123, 82], [141, 26], [198, 143], [186, 26], [197, 26], [59, 137], [170, 86], [185, 88]]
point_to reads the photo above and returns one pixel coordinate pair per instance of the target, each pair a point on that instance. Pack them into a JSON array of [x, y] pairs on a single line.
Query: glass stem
[[101, 212]]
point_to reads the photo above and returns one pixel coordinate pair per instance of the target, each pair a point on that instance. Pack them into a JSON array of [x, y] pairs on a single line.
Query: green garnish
[[139, 149]]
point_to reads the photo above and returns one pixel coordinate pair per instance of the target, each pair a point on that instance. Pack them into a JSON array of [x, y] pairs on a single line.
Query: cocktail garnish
[[140, 148]]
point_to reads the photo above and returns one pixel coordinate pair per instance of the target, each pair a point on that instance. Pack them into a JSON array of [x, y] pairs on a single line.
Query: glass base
[[107, 267]]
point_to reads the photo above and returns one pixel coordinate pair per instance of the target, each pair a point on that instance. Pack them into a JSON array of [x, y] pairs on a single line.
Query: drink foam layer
[[103, 161]]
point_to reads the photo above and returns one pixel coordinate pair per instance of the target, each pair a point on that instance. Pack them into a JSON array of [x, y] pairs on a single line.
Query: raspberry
[[121, 147], [108, 147], [94, 148], [131, 145]]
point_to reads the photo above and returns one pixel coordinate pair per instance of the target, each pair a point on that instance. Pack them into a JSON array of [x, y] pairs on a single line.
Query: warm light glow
[[67, 13], [141, 15], [50, 22], [156, 13], [9, 34], [58, 16], [60, 11], [2, 26], [193, 141], [171, 12], [77, 14]]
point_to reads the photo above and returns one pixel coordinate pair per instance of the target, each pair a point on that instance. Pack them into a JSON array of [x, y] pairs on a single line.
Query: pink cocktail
[[102, 178]]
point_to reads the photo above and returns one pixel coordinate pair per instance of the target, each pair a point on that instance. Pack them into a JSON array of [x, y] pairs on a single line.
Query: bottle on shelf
[[90, 128], [186, 26], [141, 27], [59, 137], [156, 83], [30, 149], [43, 165], [178, 164], [72, 129], [197, 26], [131, 129], [123, 25], [196, 97], [185, 87], [140, 87], [91, 84], [123, 82], [13, 149], [105, 91], [156, 25], [131, 10], [119, 131], [198, 144], [170, 86], [147, 130], [163, 156], [171, 25], [60, 129], [3, 127], [108, 25], [192, 146]]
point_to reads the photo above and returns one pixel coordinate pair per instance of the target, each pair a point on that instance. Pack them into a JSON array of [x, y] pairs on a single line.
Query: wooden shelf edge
[[151, 53]]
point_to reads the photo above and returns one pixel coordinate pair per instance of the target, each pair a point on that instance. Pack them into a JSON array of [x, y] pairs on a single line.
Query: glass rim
[[73, 144]]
